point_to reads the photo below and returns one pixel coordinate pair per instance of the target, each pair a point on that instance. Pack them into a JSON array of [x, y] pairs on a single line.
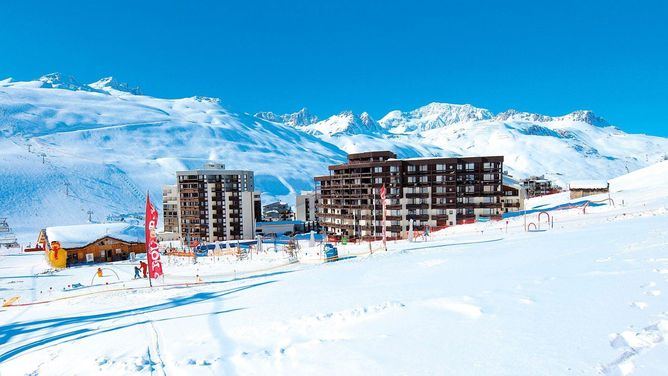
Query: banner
[[152, 251]]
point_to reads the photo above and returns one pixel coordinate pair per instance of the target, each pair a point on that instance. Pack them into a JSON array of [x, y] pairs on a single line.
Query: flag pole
[[150, 284]]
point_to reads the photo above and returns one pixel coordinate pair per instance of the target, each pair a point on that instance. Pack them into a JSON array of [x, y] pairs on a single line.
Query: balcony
[[417, 217], [417, 195]]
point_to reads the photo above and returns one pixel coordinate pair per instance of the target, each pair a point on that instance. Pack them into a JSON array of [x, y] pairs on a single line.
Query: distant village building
[[277, 211], [170, 208], [584, 188], [513, 195], [280, 227], [432, 192], [538, 186], [217, 204], [7, 237], [306, 209], [66, 246]]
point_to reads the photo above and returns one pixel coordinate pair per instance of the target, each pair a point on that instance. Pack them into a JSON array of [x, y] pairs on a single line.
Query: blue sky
[[607, 56]]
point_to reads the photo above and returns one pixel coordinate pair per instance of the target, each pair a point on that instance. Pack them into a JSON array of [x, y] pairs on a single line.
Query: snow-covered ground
[[586, 297]]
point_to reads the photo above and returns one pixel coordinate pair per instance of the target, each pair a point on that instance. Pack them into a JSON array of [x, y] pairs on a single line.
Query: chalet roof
[[588, 184], [77, 236]]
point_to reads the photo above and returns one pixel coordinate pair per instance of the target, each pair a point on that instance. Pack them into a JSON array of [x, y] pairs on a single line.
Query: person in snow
[[137, 275], [99, 272], [144, 268]]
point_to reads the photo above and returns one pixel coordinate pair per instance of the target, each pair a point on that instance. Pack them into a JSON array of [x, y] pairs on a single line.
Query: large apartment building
[[432, 192], [216, 204]]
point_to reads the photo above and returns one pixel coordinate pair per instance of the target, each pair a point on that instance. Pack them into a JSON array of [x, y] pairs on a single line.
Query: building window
[[411, 168]]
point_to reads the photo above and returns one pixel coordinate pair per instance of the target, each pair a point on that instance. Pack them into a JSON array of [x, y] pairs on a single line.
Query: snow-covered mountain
[[577, 145], [346, 123], [68, 148], [67, 151], [432, 116], [298, 119], [109, 83]]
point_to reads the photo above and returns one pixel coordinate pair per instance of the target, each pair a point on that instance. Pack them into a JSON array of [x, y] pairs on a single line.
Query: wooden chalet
[[79, 244]]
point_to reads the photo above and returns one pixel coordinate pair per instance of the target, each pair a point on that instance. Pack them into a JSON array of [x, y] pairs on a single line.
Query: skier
[[137, 275], [144, 268], [99, 272]]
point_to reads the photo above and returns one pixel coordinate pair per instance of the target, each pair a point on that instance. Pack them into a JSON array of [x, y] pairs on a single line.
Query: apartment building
[[170, 207], [433, 192], [216, 204], [277, 211], [306, 210], [538, 186], [514, 195]]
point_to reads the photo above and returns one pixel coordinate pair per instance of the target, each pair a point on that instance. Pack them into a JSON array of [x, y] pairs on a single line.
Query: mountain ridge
[[105, 146]]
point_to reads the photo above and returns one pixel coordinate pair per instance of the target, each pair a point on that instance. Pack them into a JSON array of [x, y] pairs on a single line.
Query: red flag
[[382, 192], [152, 251]]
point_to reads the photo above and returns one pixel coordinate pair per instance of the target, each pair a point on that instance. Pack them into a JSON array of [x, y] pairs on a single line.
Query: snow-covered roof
[[588, 184], [80, 235]]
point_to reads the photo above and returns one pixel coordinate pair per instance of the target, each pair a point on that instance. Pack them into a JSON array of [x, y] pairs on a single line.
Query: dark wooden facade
[[105, 249], [432, 192]]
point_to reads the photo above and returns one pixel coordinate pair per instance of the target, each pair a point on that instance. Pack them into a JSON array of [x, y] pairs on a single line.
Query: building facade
[[278, 228], [66, 246], [277, 211], [434, 192], [306, 210], [583, 188], [170, 207], [217, 204], [513, 195], [538, 186]]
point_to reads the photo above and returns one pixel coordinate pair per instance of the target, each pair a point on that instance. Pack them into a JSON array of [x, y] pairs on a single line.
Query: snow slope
[[586, 297], [111, 146]]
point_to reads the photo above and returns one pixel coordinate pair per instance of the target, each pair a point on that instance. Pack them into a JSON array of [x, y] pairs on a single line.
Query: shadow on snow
[[7, 332]]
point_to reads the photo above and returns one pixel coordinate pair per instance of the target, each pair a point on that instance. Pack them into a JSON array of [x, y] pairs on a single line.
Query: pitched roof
[[81, 235]]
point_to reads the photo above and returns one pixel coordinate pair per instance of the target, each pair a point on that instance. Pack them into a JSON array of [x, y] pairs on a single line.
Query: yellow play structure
[[56, 256]]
